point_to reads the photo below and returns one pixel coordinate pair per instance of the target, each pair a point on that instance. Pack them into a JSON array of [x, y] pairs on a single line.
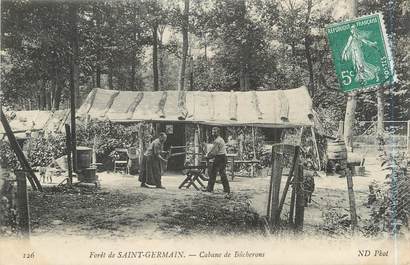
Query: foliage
[[390, 201], [42, 151], [336, 222], [235, 45], [108, 136], [7, 156], [45, 149], [8, 217]]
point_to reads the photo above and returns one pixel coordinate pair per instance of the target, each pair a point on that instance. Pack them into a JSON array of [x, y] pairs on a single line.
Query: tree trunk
[[155, 55], [43, 97], [205, 48], [245, 56], [191, 73], [351, 101], [184, 45], [110, 76], [349, 119], [161, 69], [98, 63], [307, 49], [73, 11], [133, 68], [49, 95], [75, 71], [59, 89]]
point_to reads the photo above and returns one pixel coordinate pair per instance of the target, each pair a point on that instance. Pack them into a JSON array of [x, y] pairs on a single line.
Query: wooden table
[[232, 157]]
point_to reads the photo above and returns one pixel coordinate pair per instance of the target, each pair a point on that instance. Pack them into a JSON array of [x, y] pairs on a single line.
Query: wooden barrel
[[87, 175], [84, 156], [336, 150]]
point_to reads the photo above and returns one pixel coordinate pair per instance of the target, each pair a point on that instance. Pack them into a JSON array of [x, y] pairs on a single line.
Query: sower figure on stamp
[[151, 163], [218, 152]]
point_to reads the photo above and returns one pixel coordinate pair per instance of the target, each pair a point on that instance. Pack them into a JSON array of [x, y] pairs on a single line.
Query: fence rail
[[396, 134]]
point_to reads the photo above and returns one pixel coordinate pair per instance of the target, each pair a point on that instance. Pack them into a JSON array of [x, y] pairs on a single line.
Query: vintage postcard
[[204, 132]]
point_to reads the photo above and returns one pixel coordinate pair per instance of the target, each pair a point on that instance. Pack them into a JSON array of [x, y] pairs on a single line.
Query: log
[[161, 104], [211, 106], [183, 112], [284, 106], [256, 106], [134, 104], [35, 184], [88, 103], [109, 103], [233, 106]]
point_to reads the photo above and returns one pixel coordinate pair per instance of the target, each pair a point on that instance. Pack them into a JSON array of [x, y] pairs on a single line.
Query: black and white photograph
[[205, 132]]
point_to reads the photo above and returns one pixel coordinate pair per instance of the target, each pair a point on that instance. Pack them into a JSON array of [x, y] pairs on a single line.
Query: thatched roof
[[275, 108]]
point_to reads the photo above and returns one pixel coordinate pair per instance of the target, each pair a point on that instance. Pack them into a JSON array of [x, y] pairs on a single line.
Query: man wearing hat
[[218, 152]]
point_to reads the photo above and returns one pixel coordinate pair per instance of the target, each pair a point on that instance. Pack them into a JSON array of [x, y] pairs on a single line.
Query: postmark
[[361, 53]]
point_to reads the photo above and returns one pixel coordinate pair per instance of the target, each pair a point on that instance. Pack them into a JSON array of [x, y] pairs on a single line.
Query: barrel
[[336, 150], [84, 156], [87, 175]]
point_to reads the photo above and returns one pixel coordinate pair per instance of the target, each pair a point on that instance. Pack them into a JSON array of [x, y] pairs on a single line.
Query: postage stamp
[[361, 53]]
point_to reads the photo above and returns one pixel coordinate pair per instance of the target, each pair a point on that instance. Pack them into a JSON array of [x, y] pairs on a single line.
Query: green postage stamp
[[361, 53]]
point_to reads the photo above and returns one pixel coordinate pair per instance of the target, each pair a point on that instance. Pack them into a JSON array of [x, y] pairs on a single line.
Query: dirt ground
[[120, 208]]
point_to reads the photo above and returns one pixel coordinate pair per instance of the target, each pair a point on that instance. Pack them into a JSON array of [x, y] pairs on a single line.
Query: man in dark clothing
[[218, 152], [151, 163]]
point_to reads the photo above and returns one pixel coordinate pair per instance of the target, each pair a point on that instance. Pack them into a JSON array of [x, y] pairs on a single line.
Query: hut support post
[[22, 204], [352, 201], [196, 146], [300, 200], [276, 178], [316, 147], [292, 202], [254, 152], [68, 147], [295, 163]]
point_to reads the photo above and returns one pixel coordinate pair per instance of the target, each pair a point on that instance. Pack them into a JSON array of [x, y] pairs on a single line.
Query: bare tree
[[184, 45]]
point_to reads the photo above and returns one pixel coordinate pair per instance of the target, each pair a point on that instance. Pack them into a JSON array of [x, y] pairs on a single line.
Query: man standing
[[151, 163], [218, 152]]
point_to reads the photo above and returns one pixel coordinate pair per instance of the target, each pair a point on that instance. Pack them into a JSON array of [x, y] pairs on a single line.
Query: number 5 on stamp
[[361, 53]]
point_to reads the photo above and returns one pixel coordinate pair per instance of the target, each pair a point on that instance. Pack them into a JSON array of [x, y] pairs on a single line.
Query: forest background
[[50, 47]]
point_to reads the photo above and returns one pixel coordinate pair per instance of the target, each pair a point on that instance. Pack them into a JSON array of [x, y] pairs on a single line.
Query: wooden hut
[[174, 111]]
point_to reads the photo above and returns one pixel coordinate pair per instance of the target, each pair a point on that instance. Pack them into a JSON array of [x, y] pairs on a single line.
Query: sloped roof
[[275, 108], [35, 120]]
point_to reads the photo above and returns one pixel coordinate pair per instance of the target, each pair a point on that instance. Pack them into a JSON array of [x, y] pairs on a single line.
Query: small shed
[[36, 120]]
